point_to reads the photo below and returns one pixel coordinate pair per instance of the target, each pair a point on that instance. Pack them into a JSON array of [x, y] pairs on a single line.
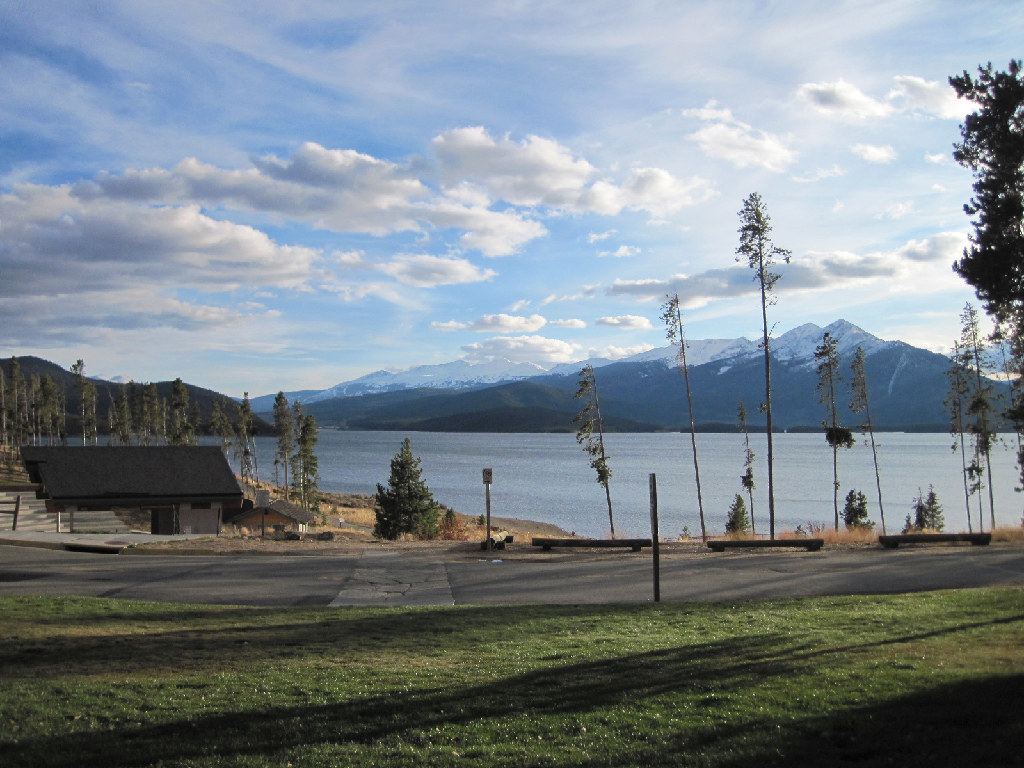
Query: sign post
[[488, 478], [654, 538]]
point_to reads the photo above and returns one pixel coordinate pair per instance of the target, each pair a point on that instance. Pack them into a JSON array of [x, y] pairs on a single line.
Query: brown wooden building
[[182, 488]]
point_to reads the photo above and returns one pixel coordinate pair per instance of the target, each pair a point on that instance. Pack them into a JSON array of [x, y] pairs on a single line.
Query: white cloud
[[908, 94], [873, 153], [819, 271], [928, 96], [898, 210], [596, 237], [502, 323], [626, 322], [537, 349], [939, 158], [569, 323], [622, 252], [738, 143], [820, 174], [427, 271], [844, 100], [618, 353]]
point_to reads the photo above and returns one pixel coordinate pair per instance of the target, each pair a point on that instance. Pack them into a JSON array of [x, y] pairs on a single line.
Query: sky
[[285, 196]]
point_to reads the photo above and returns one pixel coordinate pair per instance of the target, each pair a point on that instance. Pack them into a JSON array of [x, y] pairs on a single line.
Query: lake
[[547, 477]]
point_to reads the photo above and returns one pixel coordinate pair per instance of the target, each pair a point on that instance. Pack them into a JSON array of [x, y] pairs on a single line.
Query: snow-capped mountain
[[798, 344], [455, 375]]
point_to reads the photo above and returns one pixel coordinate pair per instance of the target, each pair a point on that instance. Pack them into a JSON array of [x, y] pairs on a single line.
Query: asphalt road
[[404, 578]]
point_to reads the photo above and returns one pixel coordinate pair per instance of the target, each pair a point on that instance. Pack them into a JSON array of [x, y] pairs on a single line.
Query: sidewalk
[[87, 542]]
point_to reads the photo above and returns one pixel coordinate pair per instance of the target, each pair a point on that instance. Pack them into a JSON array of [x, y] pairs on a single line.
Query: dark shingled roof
[[281, 507], [132, 475]]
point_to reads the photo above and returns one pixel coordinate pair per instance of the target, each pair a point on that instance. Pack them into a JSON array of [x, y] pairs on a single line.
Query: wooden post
[[17, 509], [654, 538], [488, 477]]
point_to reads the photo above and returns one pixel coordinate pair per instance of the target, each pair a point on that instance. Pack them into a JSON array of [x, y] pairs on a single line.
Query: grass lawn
[[925, 679]]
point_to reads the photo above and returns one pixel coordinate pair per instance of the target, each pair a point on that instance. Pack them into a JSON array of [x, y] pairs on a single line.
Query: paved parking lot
[[426, 577]]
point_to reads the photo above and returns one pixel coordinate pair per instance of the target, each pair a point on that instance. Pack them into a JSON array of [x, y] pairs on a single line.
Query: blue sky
[[272, 196]]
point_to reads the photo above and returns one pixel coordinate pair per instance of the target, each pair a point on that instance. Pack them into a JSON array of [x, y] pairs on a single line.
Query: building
[[278, 516], [181, 488]]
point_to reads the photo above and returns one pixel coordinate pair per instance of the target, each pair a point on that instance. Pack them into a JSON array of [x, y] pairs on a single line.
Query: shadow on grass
[[964, 723]]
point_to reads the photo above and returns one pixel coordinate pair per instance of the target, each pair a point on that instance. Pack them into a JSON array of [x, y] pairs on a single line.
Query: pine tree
[[284, 426], [220, 424], [979, 405], [672, 316], [589, 419], [761, 255], [958, 390], [859, 403], [406, 506], [747, 479], [305, 467], [836, 435], [855, 511], [736, 522]]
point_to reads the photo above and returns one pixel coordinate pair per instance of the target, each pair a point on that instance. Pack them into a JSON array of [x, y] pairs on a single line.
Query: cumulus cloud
[[426, 271], [928, 96], [573, 322], [500, 323], [813, 271], [596, 237], [626, 322], [874, 153], [908, 94], [738, 143], [843, 100], [536, 349]]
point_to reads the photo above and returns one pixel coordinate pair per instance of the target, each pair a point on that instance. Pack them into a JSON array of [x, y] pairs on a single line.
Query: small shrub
[[855, 513], [452, 527], [737, 523]]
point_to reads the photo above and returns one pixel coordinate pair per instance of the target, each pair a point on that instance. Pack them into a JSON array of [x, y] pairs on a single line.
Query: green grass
[[923, 679]]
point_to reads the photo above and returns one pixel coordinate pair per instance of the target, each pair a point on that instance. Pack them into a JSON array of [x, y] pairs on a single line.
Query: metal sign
[[488, 476]]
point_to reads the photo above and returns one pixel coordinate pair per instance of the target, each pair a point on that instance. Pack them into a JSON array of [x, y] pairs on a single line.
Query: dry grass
[[1009, 534]]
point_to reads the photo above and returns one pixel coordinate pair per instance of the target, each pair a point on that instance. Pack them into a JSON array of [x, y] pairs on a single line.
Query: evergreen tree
[[979, 405], [855, 511], [587, 420], [993, 149], [406, 506], [220, 424], [283, 425], [747, 479], [672, 316], [761, 255], [859, 403], [305, 467], [927, 513], [737, 523], [181, 430], [837, 436], [958, 391], [245, 448]]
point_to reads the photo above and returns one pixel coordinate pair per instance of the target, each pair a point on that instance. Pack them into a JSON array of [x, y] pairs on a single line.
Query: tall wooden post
[[654, 538], [488, 478]]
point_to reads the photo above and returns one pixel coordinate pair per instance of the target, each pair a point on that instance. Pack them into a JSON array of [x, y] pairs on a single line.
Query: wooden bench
[[891, 542], [811, 545], [634, 544]]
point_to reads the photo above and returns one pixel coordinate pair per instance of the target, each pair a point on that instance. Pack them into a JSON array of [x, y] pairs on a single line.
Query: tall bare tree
[[588, 420], [672, 316], [980, 407], [860, 403], [836, 435], [762, 255]]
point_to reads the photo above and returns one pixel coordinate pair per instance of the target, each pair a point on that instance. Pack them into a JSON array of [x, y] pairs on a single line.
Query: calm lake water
[[547, 477]]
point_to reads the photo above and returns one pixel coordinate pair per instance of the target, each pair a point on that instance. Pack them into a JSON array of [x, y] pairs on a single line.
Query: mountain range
[[906, 385]]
